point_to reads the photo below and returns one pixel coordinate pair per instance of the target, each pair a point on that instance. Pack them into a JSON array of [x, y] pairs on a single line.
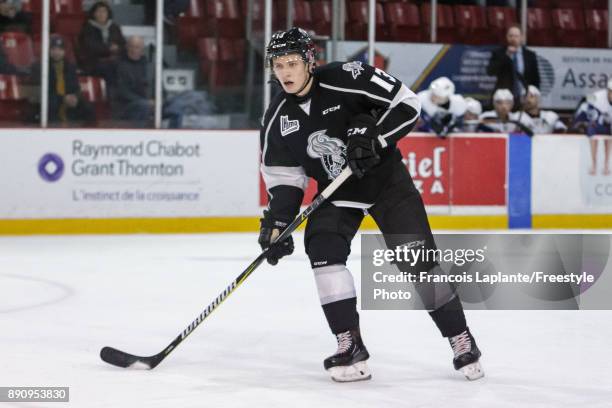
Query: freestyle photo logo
[[51, 167]]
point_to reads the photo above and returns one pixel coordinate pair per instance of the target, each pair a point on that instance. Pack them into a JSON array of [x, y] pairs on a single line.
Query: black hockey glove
[[269, 230], [363, 146]]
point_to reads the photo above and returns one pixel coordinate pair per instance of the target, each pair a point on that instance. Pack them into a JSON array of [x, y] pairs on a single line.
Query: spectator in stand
[[6, 68], [132, 101], [514, 65], [65, 102], [471, 119], [12, 18], [441, 109], [542, 121], [101, 43], [502, 119], [593, 117]]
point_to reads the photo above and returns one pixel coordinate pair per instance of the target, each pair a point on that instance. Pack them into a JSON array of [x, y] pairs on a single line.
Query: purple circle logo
[[51, 167]]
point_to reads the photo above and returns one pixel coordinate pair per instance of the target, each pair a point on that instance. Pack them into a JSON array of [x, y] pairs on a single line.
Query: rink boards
[[113, 181]]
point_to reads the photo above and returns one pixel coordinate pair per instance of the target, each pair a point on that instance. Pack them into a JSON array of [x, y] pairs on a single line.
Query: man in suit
[[514, 65]]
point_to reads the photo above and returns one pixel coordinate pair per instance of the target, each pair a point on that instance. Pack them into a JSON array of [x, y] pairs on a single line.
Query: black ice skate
[[467, 355], [349, 362]]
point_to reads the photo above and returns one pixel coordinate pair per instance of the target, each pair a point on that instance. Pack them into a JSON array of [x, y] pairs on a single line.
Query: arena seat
[[499, 20], [357, 21], [445, 22], [471, 23], [69, 25], [189, 25], [13, 107], [539, 27], [18, 48], [221, 61], [93, 90], [404, 21], [597, 27], [322, 15], [67, 6], [569, 27], [223, 19]]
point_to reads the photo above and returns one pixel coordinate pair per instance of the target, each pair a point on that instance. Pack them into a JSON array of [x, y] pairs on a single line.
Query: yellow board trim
[[202, 224], [572, 221]]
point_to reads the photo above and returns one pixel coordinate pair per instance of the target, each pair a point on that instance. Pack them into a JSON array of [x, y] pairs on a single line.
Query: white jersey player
[[441, 109], [502, 119], [542, 121]]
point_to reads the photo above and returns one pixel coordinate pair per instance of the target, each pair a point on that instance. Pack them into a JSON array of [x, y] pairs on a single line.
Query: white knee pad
[[334, 283]]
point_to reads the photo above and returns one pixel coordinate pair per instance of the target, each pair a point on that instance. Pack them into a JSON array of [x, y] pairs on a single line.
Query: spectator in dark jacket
[[131, 101], [101, 43], [65, 101], [514, 65], [13, 18], [6, 67]]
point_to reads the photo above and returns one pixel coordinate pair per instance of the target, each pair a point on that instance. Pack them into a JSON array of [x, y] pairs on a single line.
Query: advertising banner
[[566, 178], [461, 174], [66, 173]]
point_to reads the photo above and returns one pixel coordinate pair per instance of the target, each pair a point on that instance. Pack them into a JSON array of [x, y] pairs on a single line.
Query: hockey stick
[[122, 359]]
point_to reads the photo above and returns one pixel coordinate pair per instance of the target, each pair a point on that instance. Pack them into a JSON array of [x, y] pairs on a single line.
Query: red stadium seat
[[93, 90], [539, 27], [322, 16], [569, 27], [573, 4], [18, 48], [67, 6], [221, 61], [500, 19], [404, 21], [13, 106], [596, 4], [597, 27], [69, 25], [32, 6], [357, 21], [223, 19], [445, 22], [471, 23], [302, 14], [190, 25]]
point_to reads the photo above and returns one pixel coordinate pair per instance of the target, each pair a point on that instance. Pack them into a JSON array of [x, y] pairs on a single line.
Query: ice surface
[[63, 298]]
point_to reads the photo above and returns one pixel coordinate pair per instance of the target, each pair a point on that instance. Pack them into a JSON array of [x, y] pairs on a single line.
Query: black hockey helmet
[[292, 41]]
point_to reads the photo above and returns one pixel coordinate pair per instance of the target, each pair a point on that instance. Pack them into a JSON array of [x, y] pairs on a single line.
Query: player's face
[[291, 71], [503, 108], [531, 101], [470, 116]]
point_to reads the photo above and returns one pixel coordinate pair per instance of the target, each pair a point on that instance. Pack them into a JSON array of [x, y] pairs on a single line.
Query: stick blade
[[125, 360]]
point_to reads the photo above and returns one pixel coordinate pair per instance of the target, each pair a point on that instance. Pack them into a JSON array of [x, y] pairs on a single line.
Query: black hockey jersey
[[306, 136]]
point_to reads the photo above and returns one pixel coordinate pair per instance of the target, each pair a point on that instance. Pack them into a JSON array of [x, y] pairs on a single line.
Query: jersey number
[[382, 79]]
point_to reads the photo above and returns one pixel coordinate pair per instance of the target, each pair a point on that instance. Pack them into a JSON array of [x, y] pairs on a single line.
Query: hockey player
[[542, 121], [592, 117], [502, 119], [325, 119], [471, 119], [442, 109]]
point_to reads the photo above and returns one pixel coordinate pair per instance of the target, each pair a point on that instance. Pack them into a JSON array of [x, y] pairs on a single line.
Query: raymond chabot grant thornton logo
[[50, 167]]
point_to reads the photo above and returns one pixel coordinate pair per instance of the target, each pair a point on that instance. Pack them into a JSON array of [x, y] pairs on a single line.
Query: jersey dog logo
[[354, 68], [289, 126], [330, 150]]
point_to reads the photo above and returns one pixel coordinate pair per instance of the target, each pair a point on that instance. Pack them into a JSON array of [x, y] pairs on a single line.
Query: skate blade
[[472, 371], [356, 372]]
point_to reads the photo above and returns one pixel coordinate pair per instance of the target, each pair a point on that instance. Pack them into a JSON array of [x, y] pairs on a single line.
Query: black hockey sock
[[450, 318], [342, 315]]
